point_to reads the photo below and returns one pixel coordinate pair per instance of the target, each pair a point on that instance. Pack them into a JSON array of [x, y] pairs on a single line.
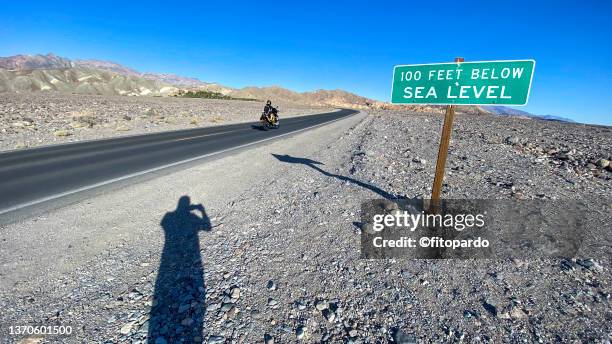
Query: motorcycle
[[270, 120]]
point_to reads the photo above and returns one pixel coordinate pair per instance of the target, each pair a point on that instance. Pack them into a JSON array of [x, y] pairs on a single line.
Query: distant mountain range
[[171, 79], [51, 72], [506, 111], [26, 62]]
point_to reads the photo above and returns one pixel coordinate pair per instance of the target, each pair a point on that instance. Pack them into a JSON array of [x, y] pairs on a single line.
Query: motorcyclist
[[268, 107], [269, 110]]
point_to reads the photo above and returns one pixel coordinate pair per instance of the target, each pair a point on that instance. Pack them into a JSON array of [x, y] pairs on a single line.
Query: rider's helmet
[[269, 102]]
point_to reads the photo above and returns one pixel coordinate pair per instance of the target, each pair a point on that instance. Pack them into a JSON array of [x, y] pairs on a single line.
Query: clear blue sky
[[351, 45]]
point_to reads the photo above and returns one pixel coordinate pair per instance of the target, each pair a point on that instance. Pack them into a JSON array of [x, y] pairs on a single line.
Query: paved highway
[[32, 176]]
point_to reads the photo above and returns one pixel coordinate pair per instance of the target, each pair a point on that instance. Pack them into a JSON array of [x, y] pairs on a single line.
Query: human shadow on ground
[[313, 164], [178, 309]]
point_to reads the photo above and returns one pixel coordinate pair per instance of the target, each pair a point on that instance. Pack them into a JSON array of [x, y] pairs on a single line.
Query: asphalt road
[[33, 176]]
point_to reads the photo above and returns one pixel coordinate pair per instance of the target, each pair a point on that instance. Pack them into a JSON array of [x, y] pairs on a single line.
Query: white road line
[[155, 169]]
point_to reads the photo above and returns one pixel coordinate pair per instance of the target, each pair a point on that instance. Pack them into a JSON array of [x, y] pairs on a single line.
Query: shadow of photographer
[[178, 310]]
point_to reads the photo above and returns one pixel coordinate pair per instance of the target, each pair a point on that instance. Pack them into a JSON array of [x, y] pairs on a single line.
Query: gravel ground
[[42, 118], [277, 260]]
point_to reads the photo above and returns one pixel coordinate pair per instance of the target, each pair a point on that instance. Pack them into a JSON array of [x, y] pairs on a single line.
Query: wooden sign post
[[447, 129], [443, 149]]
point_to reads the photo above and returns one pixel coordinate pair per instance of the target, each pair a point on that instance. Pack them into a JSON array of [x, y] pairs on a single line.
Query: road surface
[[33, 176]]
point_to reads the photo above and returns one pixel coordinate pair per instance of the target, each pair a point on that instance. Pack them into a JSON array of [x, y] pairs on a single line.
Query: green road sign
[[465, 83]]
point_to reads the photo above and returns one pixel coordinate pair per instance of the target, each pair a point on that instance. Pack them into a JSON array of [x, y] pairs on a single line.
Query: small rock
[[504, 315], [512, 140], [235, 293], [271, 285], [268, 339], [187, 322], [183, 308], [300, 332], [226, 307], [333, 306], [329, 315], [566, 265], [468, 314], [321, 305], [216, 340], [125, 329], [81, 121], [301, 306], [122, 128], [21, 124], [400, 337], [144, 328], [406, 274], [232, 313], [602, 163], [590, 264], [272, 302], [517, 313], [151, 112], [62, 133], [77, 125]]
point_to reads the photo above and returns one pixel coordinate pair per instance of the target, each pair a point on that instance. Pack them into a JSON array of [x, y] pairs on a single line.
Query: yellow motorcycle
[[270, 120]]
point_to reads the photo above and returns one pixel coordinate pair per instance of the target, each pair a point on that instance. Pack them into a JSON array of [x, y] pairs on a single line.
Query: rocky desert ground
[[276, 259], [40, 118]]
